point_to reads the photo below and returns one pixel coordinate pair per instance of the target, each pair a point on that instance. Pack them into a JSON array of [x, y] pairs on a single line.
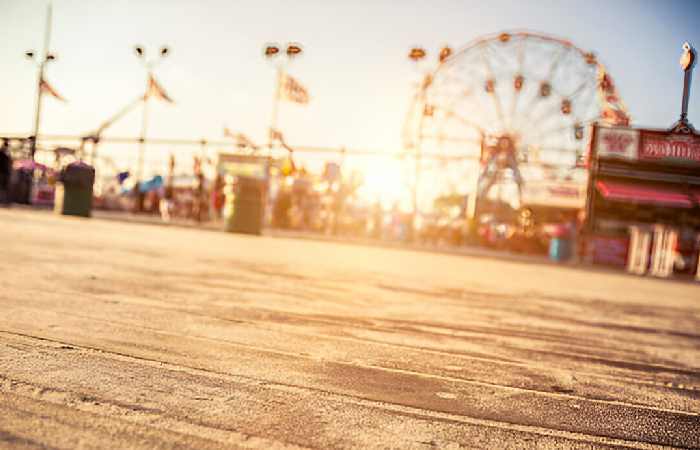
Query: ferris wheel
[[510, 106]]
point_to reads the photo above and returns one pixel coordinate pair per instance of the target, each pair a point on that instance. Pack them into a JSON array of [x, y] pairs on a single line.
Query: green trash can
[[244, 205], [73, 195]]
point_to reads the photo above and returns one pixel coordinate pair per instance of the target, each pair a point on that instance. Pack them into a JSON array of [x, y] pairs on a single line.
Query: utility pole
[[45, 58]]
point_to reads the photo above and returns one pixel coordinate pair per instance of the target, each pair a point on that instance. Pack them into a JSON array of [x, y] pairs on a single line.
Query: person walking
[[5, 175]]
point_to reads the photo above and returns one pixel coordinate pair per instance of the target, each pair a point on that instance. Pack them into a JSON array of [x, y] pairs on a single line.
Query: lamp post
[[41, 62], [149, 65], [417, 54], [275, 52], [687, 62]]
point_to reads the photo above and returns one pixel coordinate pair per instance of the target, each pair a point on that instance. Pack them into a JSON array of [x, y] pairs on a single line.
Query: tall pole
[[416, 54], [142, 139], [688, 61], [687, 78], [687, 64], [142, 151], [40, 80], [419, 150], [275, 108]]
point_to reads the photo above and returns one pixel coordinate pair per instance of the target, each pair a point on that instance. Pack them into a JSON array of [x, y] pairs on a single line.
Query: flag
[[47, 88], [156, 90], [293, 91], [122, 176], [241, 139], [288, 167]]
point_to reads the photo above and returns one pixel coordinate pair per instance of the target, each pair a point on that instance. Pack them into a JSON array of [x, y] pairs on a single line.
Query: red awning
[[639, 193]]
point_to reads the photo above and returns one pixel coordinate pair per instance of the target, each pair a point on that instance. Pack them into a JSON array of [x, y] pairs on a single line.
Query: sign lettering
[[617, 143], [673, 147]]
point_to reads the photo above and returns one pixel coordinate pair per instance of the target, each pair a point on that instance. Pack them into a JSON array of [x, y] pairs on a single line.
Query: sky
[[354, 64]]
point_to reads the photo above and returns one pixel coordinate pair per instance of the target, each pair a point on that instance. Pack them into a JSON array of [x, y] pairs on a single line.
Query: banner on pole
[[154, 89], [293, 91], [48, 89]]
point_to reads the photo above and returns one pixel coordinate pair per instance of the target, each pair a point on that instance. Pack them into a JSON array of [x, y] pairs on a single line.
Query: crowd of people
[[301, 200]]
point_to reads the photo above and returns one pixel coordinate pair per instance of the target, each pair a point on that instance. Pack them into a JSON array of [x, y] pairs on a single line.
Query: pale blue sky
[[354, 65]]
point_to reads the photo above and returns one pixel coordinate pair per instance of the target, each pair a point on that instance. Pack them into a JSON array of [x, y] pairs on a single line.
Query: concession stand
[[643, 200]]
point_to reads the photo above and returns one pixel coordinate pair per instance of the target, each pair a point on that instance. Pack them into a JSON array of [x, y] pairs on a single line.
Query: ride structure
[[512, 108]]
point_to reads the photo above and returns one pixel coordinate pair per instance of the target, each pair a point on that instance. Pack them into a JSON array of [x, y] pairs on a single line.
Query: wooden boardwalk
[[119, 335]]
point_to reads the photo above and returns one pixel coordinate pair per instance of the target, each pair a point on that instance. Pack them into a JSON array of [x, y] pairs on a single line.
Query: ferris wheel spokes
[[582, 108], [475, 121], [464, 121], [518, 84], [564, 107], [545, 85], [491, 87], [457, 140], [555, 131]]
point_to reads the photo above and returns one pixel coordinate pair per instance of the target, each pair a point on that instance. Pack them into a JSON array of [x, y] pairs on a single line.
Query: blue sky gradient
[[354, 65]]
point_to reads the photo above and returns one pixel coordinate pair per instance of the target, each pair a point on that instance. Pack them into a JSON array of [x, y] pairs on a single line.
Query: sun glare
[[386, 184]]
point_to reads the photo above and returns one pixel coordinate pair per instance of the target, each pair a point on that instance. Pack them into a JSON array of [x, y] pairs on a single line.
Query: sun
[[385, 183]]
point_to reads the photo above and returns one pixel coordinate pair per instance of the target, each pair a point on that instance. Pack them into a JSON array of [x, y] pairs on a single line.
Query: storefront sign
[[242, 165], [668, 147], [647, 145], [617, 143], [554, 194]]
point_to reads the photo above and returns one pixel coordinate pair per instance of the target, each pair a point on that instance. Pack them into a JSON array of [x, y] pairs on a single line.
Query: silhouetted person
[[283, 204], [300, 191], [378, 220], [5, 175], [139, 198]]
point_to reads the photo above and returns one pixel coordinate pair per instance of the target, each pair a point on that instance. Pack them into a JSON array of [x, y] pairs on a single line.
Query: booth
[[643, 200]]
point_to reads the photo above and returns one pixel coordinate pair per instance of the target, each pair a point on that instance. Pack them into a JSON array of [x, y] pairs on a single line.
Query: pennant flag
[[293, 91], [156, 90], [244, 141], [241, 139], [288, 167], [122, 176], [47, 88]]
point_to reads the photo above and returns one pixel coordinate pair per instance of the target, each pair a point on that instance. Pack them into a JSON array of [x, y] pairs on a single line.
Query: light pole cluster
[[280, 55], [149, 65], [417, 54]]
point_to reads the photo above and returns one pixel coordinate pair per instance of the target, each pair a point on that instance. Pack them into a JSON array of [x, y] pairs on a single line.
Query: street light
[[273, 52], [149, 65], [417, 54], [687, 62]]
